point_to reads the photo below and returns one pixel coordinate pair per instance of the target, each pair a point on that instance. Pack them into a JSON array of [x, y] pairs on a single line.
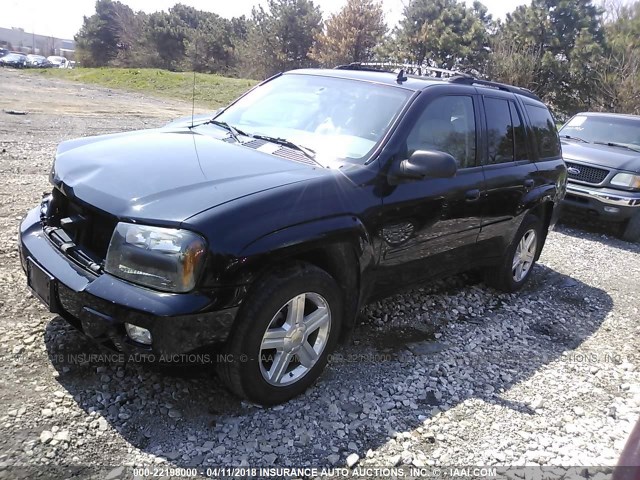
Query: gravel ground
[[449, 374]]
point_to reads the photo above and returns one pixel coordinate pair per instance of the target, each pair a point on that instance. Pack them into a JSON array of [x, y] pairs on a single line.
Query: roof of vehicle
[[398, 78], [387, 78], [410, 82], [607, 114]]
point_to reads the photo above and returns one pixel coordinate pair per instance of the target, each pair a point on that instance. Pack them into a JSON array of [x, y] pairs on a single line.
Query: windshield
[[336, 118], [604, 129]]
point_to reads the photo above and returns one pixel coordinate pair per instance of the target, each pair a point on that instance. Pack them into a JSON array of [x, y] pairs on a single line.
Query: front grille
[[587, 174], [88, 228]]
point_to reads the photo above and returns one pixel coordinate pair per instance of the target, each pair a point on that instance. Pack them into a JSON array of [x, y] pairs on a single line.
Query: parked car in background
[[59, 62], [602, 153], [38, 61], [313, 194], [3, 52], [15, 60]]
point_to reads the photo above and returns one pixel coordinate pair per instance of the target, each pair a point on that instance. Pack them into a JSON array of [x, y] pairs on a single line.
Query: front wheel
[[520, 256], [631, 231], [285, 331]]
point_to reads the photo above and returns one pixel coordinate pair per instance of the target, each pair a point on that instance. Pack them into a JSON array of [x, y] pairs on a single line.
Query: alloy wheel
[[524, 255], [295, 339]]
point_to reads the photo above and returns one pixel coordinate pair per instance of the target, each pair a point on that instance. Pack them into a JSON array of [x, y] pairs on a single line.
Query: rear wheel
[[285, 331], [517, 264], [631, 231]]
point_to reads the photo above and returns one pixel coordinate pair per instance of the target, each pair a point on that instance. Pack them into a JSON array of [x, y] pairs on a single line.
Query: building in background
[[17, 40]]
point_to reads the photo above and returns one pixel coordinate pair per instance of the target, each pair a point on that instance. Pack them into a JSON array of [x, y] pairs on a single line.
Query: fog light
[[138, 334], [611, 209]]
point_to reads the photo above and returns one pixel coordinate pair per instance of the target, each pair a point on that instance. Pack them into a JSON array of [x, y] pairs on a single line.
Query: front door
[[430, 226]]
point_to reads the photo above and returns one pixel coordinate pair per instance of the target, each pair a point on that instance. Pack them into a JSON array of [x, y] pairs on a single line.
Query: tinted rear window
[[500, 130], [545, 132], [518, 133]]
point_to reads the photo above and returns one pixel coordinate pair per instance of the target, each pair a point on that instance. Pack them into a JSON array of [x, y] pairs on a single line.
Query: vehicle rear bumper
[[603, 203], [100, 305]]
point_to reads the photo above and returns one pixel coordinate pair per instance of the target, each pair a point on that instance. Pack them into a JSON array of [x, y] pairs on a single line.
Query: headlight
[[162, 258], [626, 180]]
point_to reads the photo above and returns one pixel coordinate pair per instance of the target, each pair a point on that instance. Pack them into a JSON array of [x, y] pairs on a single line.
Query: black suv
[[265, 229], [602, 152]]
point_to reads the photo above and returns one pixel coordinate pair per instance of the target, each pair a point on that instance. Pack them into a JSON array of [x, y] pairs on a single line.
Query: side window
[[500, 134], [518, 134], [447, 124], [545, 132]]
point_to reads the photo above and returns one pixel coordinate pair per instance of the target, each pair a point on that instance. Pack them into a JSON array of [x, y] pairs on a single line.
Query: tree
[[512, 63], [280, 37], [104, 33], [568, 38], [351, 35], [211, 47], [443, 33], [167, 33], [619, 72]]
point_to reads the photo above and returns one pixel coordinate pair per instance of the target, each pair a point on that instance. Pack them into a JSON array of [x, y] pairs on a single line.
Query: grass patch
[[211, 90]]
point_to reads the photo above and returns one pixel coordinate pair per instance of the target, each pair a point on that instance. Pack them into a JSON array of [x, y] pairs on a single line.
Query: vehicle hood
[[602, 155], [167, 176]]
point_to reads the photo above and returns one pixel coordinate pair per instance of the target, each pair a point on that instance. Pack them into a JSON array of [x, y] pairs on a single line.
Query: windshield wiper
[[621, 145], [309, 153], [570, 137], [235, 134], [233, 131]]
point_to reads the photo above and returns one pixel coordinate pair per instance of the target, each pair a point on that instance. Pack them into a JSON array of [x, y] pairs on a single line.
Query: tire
[[506, 276], [631, 232], [302, 342]]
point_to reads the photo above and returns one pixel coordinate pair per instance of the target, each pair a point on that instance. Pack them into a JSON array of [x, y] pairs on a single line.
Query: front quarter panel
[[249, 233]]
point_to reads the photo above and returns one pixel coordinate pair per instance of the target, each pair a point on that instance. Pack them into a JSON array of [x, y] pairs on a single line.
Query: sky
[[63, 18]]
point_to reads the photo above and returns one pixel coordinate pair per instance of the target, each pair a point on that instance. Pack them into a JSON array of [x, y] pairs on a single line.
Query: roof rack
[[452, 76], [408, 68], [360, 66], [469, 80]]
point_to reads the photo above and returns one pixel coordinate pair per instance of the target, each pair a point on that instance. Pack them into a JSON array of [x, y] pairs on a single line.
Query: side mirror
[[425, 163]]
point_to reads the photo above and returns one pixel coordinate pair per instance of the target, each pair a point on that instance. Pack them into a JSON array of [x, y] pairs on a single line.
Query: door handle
[[528, 183], [472, 195]]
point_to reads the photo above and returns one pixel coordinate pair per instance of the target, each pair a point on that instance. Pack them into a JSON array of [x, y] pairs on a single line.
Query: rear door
[[509, 170]]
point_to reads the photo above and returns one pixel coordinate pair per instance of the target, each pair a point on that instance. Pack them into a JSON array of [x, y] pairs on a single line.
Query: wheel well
[[543, 211], [332, 260], [341, 262]]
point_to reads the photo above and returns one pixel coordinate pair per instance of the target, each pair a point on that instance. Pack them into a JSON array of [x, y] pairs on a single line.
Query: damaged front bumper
[[100, 304]]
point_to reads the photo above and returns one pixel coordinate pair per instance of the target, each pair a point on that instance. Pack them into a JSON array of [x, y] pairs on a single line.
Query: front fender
[[341, 228], [296, 240], [341, 245]]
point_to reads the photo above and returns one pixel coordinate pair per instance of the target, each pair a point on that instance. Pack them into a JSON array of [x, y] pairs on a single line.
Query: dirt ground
[[449, 374]]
